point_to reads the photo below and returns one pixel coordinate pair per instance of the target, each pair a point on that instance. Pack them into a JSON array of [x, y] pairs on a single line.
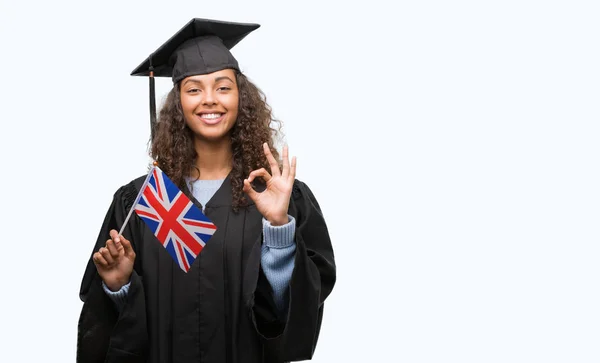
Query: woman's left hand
[[274, 201]]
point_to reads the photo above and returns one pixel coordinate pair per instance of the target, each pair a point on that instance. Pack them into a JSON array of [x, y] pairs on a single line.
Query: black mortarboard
[[200, 47]]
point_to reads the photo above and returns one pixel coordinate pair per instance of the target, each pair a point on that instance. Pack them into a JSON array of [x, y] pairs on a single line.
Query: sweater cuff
[[118, 297], [279, 236]]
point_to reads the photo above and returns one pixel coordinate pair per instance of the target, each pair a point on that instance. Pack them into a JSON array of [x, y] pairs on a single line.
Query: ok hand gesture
[[273, 202]]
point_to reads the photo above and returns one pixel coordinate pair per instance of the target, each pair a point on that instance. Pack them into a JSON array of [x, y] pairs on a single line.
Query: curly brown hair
[[173, 143]]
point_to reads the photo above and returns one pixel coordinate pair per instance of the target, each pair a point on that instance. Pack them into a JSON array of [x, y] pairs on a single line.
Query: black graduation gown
[[222, 310]]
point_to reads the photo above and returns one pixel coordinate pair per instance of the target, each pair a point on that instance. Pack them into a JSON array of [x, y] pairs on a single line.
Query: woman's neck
[[215, 159]]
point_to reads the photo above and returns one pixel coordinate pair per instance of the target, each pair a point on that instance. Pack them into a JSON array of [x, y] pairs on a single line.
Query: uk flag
[[176, 222]]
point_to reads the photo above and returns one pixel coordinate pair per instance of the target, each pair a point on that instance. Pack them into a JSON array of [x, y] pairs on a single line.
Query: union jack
[[176, 222]]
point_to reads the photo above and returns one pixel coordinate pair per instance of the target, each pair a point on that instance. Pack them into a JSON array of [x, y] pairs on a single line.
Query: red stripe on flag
[[182, 254], [158, 183], [146, 214], [200, 224]]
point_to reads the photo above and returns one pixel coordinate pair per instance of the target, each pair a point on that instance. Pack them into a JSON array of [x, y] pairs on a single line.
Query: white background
[[453, 147]]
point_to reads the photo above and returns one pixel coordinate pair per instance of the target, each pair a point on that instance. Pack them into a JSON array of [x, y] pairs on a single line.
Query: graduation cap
[[200, 47]]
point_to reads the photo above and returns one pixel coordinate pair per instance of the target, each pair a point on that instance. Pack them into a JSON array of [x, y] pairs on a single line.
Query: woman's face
[[210, 103]]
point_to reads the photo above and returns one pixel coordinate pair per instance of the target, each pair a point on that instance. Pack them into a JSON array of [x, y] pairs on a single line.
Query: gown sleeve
[[104, 334], [293, 336]]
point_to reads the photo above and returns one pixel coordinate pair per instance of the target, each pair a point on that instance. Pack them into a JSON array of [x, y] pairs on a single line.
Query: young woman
[[256, 291]]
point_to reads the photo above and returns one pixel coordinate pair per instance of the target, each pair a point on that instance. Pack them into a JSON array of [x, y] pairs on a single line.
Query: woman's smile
[[211, 118]]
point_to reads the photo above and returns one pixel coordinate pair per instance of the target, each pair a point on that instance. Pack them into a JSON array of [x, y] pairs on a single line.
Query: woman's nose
[[209, 98]]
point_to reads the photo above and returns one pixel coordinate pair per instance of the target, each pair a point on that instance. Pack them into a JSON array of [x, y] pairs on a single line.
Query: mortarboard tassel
[[152, 101]]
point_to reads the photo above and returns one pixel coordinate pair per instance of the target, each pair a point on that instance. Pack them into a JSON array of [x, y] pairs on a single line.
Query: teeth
[[210, 115]]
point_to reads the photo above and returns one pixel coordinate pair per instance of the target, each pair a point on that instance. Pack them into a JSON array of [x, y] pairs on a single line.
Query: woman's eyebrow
[[193, 81], [222, 78]]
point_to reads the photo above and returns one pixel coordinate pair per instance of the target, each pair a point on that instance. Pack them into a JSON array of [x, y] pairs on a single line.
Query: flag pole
[[137, 199]]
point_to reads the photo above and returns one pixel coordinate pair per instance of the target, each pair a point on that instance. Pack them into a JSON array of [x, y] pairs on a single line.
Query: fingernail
[[117, 240]]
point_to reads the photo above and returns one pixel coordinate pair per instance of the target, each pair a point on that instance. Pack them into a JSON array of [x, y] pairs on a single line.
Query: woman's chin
[[212, 137]]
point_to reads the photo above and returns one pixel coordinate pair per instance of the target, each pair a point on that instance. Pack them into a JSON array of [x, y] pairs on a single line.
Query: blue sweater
[[277, 254]]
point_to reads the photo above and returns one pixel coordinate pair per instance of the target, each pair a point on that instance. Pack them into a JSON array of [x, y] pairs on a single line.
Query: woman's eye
[[193, 90], [223, 89]]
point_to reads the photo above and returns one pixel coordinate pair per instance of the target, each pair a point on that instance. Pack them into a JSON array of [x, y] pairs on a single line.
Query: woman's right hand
[[114, 262]]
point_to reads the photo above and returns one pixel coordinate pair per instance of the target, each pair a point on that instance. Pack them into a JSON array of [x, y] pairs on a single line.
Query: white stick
[[137, 199]]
